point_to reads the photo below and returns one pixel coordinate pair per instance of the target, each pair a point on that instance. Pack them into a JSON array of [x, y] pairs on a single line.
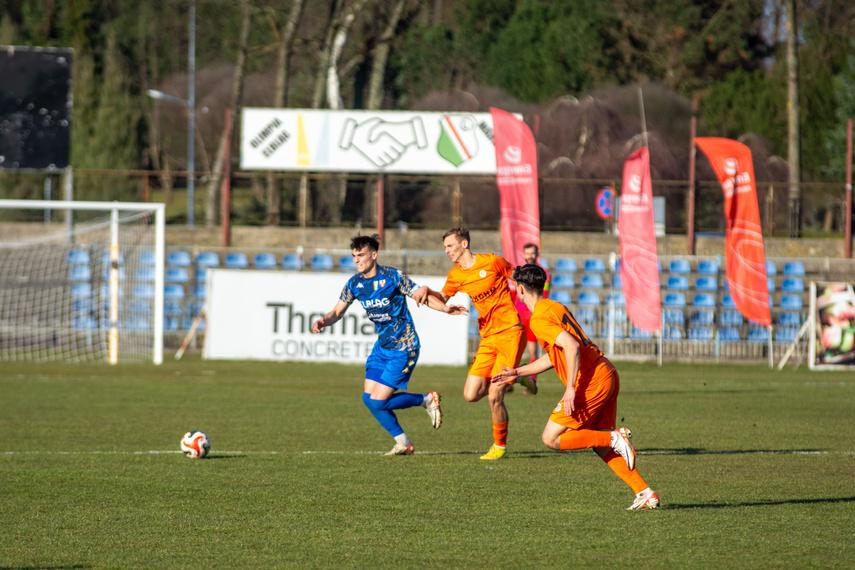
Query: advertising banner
[[516, 178], [743, 241], [832, 317], [639, 265], [262, 315], [306, 140]]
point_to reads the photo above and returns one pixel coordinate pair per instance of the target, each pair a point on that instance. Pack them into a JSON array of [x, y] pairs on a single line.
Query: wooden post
[[380, 191], [227, 183], [690, 207], [848, 216]]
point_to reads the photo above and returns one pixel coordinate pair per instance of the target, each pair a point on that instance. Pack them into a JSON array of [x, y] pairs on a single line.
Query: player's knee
[[366, 399], [550, 441], [374, 404]]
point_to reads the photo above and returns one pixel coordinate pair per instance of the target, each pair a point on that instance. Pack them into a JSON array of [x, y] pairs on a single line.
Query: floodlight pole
[[190, 103]]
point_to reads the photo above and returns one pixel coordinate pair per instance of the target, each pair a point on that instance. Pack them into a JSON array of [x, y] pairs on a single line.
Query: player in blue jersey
[[382, 291]]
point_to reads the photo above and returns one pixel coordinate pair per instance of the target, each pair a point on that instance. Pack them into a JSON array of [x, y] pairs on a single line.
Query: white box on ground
[[262, 315]]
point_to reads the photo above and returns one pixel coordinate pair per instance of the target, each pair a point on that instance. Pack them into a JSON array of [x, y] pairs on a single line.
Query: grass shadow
[[702, 451], [760, 503]]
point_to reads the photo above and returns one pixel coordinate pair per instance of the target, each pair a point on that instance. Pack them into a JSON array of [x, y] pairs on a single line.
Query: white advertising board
[[307, 140], [262, 315]]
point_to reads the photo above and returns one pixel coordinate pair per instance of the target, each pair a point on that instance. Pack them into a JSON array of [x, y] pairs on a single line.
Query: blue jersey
[[384, 298]]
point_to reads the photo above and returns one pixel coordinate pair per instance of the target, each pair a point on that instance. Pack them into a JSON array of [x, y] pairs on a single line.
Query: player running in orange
[[585, 416], [530, 254], [484, 277]]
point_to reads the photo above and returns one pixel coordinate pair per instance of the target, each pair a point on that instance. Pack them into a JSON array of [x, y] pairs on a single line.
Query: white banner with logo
[[261, 315], [307, 140]]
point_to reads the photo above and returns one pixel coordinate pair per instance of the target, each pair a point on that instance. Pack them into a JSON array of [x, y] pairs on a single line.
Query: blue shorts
[[391, 367]]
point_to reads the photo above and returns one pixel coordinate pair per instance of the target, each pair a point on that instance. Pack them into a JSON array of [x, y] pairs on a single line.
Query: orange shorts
[[596, 400], [501, 349]]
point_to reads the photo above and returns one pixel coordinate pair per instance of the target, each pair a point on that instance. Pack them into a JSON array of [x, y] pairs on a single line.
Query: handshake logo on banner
[[367, 141]]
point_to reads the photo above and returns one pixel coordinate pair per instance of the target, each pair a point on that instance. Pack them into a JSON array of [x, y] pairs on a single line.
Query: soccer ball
[[195, 444]]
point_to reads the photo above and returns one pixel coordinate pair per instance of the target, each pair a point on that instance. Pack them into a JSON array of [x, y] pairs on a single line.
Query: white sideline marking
[[218, 452]]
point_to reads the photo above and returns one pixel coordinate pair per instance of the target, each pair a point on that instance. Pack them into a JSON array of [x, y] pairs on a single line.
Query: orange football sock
[[618, 464], [584, 439], [500, 434]]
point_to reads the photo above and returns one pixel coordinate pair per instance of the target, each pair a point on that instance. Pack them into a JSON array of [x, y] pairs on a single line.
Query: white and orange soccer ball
[[195, 444]]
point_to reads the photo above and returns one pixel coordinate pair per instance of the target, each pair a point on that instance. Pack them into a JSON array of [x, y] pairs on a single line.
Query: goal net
[[87, 290]]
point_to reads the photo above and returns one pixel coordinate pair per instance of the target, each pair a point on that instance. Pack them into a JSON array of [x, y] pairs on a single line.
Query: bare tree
[[216, 179], [381, 56]]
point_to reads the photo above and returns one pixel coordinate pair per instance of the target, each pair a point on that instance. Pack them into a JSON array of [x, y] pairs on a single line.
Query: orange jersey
[[486, 283], [548, 320]]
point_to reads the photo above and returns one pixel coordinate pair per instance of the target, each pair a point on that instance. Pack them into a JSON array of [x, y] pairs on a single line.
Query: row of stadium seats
[[672, 283], [678, 267]]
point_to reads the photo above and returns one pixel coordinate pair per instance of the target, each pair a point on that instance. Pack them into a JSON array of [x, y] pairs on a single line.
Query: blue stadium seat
[[200, 291], [202, 275], [679, 266], [790, 319], [592, 281], [145, 274], [700, 334], [292, 262], [786, 335], [143, 291], [677, 283], [639, 334], [619, 315], [758, 334], [177, 275], [563, 281], [791, 302], [141, 307], [617, 281], [84, 322], [704, 300], [346, 264], [171, 324], [730, 318], [78, 256], [562, 297], [147, 258], [565, 265], [322, 262], [81, 290], [178, 259], [673, 316], [674, 300], [105, 258], [588, 298], [236, 260], [586, 315], [264, 261], [728, 334], [672, 333], [707, 267], [544, 262], [607, 331], [702, 318], [770, 284], [771, 268], [727, 302], [207, 259], [137, 324], [706, 283], [794, 269], [618, 298], [595, 266], [105, 273], [79, 273], [793, 285], [173, 291], [105, 291], [173, 308], [81, 305]]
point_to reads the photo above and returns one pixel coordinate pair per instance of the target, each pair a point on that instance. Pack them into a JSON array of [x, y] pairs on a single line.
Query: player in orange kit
[[585, 416], [484, 277], [530, 254]]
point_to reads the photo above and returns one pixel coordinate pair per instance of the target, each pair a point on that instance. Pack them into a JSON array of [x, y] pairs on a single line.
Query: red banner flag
[[516, 178], [639, 267], [744, 253]]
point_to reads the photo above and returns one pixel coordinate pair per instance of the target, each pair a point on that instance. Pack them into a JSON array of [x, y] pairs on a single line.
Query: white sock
[[426, 402], [614, 439], [645, 492], [403, 440]]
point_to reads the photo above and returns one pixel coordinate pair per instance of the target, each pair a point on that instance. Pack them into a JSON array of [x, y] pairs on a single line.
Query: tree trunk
[[280, 99], [216, 180], [381, 56], [793, 135]]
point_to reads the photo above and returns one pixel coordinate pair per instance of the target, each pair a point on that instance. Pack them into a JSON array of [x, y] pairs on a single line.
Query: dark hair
[[530, 276], [459, 232], [534, 245], [372, 241]]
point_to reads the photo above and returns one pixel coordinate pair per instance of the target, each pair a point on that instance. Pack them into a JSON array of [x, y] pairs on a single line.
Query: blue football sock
[[402, 400], [384, 417]]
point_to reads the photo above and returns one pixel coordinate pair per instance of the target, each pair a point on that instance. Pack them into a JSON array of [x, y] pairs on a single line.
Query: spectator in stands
[[531, 254], [382, 291]]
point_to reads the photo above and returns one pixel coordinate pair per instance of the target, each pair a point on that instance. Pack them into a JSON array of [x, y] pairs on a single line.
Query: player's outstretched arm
[[507, 374], [330, 318], [426, 296]]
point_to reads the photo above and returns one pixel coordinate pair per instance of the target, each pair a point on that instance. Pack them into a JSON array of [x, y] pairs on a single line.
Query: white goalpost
[[87, 290]]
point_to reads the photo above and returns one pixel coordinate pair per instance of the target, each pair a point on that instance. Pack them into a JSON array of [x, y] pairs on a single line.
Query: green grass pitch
[[755, 469]]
